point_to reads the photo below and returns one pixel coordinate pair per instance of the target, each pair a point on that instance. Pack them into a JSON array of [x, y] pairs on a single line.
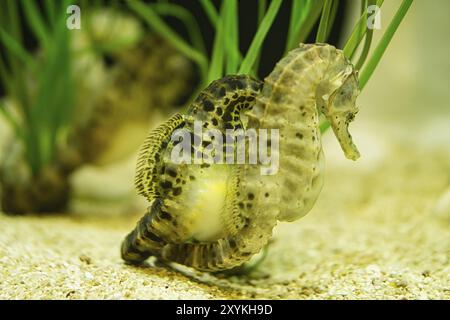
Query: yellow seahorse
[[214, 216]]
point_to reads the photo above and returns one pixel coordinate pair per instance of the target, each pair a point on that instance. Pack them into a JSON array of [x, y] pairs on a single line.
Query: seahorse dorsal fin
[[149, 155]]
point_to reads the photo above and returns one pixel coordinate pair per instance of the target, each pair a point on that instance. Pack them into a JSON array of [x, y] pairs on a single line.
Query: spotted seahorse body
[[216, 216]]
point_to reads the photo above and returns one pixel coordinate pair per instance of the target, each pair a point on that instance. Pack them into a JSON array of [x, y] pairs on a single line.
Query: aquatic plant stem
[[231, 24], [305, 26], [384, 42], [367, 41], [298, 9], [352, 44], [161, 28], [262, 7], [321, 36], [210, 11], [358, 33], [189, 21], [255, 46], [217, 57]]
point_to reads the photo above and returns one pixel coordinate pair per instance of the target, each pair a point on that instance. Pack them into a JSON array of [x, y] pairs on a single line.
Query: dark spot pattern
[[176, 191]]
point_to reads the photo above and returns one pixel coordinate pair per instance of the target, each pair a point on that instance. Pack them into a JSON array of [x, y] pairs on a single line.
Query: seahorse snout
[[340, 129]]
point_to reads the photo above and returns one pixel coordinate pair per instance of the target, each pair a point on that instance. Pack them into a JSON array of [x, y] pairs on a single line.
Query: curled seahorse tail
[[130, 253], [223, 254], [145, 240]]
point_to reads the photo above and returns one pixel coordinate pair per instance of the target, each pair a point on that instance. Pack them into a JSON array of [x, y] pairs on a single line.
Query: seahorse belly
[[206, 199]]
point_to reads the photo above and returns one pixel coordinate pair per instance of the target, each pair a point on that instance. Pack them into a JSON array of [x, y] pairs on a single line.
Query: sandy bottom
[[380, 230]]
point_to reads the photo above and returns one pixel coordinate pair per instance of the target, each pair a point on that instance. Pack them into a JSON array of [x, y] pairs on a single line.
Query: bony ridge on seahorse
[[213, 216]]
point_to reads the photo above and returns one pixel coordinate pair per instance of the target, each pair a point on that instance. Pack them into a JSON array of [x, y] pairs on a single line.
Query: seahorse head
[[338, 105], [341, 111]]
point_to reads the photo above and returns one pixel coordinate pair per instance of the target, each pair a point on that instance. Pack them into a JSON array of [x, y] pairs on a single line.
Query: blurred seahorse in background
[[217, 216]]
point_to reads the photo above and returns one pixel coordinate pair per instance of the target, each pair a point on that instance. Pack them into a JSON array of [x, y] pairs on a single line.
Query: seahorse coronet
[[216, 216]]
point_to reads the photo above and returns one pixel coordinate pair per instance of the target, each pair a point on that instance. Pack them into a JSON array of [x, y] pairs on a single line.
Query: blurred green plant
[[305, 14], [361, 31], [38, 87], [383, 44], [225, 57]]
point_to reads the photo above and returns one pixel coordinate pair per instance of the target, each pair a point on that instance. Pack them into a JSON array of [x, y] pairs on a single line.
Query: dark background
[[274, 43]]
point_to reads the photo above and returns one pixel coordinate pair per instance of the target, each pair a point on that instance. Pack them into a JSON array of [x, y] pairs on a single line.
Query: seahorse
[[216, 216]]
